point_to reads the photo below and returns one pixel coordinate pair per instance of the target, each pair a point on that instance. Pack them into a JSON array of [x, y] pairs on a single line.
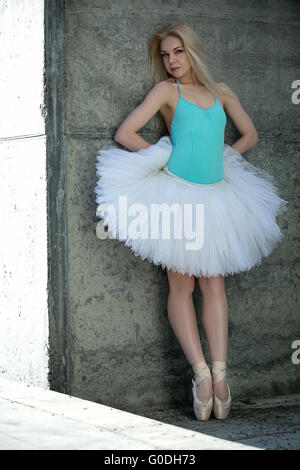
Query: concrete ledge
[[37, 418]]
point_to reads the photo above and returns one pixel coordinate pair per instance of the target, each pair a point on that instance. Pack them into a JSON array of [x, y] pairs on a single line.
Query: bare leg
[[182, 317], [215, 323]]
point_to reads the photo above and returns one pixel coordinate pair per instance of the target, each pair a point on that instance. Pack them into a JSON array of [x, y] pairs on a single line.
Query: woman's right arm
[[126, 134]]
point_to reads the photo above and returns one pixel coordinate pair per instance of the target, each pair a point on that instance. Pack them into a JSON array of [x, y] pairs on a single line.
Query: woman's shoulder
[[166, 83], [170, 82], [168, 88], [227, 95], [165, 87], [225, 89], [222, 85]]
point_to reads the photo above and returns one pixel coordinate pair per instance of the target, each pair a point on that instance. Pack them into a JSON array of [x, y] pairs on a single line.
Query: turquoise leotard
[[197, 137]]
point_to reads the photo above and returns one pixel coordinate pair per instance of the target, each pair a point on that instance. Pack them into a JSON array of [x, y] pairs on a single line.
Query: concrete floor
[[36, 419]]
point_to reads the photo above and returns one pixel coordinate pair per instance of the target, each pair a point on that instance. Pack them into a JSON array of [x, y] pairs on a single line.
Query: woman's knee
[[183, 284], [213, 285]]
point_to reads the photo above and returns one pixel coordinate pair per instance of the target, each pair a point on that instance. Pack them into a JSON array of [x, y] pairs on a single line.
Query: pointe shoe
[[220, 408], [202, 409]]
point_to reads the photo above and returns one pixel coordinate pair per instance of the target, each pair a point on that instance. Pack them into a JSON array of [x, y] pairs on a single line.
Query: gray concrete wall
[[119, 348], [23, 236], [56, 196]]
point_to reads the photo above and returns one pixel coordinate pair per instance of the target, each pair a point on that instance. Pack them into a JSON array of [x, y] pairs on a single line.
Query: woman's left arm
[[241, 119]]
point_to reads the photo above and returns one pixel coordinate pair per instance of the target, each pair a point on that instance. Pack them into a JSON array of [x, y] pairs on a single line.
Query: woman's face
[[174, 56]]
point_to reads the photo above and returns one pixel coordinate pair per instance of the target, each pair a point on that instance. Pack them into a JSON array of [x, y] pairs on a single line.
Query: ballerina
[[224, 208]]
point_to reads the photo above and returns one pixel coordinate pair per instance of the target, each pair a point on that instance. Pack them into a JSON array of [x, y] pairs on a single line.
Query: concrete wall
[[121, 349], [23, 237]]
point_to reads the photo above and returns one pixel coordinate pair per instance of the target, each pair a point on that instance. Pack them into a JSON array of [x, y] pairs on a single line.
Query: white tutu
[[238, 228]]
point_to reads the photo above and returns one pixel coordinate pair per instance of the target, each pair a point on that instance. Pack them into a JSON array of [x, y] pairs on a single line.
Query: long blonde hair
[[194, 52]]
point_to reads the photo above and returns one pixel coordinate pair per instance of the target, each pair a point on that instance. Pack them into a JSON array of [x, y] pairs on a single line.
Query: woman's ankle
[[204, 386], [200, 367], [219, 379]]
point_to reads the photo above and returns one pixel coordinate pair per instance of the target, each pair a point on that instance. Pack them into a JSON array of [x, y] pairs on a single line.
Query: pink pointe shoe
[[220, 408], [202, 409]]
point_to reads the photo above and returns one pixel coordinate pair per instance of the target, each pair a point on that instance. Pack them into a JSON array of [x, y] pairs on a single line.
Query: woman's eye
[[178, 50]]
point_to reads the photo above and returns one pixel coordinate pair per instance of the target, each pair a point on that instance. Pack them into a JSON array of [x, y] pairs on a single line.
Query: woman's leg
[[182, 317], [215, 323]]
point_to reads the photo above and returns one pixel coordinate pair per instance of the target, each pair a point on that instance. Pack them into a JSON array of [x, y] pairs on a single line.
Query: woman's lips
[[175, 68]]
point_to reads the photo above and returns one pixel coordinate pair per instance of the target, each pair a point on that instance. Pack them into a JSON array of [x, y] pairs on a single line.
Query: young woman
[[236, 203]]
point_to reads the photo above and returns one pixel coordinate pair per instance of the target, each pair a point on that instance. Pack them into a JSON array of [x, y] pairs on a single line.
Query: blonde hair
[[194, 52]]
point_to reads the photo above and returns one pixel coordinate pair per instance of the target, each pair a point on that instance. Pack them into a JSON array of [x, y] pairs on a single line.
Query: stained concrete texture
[[33, 418]]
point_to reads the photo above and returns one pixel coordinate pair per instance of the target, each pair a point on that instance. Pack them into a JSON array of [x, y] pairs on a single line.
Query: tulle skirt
[[196, 229]]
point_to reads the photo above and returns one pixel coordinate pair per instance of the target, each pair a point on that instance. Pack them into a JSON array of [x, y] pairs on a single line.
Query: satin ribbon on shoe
[[202, 409], [220, 408]]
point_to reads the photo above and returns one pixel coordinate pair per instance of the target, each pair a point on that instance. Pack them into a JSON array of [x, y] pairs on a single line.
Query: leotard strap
[[178, 87]]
